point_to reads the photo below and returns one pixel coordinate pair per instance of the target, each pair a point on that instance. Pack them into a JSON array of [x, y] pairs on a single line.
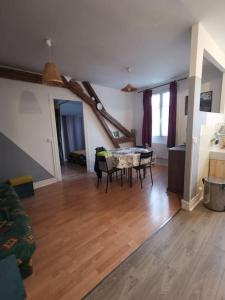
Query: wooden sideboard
[[176, 166]]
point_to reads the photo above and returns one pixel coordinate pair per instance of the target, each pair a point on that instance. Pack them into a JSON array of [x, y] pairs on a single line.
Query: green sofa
[[16, 236]]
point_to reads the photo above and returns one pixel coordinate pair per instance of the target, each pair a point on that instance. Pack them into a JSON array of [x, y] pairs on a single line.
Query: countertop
[[217, 153]]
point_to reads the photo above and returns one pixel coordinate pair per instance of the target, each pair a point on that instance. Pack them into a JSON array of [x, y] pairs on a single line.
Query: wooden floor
[[82, 233], [72, 171], [184, 260]]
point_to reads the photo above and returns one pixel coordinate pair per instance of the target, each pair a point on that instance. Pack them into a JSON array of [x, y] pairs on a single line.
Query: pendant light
[[129, 87], [51, 75]]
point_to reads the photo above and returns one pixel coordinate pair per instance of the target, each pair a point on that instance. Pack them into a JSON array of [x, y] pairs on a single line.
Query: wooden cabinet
[[176, 165], [217, 168]]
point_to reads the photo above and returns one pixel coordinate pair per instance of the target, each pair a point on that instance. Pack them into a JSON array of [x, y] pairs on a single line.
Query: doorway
[[71, 138]]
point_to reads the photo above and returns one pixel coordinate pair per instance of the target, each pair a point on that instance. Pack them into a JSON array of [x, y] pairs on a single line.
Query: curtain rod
[[164, 84]]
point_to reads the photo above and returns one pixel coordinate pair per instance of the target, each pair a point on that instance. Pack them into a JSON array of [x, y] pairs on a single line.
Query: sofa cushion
[[20, 180], [15, 230], [4, 213]]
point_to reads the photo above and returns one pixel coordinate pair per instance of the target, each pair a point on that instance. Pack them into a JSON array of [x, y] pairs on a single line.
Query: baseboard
[[190, 205], [45, 182]]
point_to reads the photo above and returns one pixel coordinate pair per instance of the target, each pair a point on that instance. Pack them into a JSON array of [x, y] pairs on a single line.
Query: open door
[[71, 138]]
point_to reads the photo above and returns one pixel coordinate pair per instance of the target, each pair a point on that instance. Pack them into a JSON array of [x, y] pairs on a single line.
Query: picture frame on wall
[[205, 102], [116, 134]]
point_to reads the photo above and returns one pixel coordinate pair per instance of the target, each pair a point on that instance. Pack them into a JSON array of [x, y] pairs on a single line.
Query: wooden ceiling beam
[[90, 90], [115, 123], [15, 74], [20, 75], [74, 87], [105, 114]]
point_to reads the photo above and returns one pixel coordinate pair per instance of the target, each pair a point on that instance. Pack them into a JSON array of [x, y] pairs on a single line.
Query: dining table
[[127, 158]]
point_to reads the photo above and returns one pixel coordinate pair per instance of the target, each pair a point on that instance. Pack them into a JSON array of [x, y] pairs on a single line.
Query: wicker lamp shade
[[129, 88], [51, 74]]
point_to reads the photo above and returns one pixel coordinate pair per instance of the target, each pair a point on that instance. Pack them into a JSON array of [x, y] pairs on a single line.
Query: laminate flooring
[[82, 233], [184, 260]]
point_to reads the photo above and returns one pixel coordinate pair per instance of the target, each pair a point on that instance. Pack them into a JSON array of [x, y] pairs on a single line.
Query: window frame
[[160, 139]]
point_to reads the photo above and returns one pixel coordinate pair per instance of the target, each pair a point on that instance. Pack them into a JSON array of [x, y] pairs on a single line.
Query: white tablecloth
[[128, 157]]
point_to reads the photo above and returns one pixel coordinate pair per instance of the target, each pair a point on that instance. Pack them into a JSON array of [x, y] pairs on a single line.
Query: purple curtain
[[147, 118], [171, 139]]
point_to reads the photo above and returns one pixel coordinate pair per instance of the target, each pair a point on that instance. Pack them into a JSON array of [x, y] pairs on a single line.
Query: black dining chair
[[143, 166], [105, 165], [97, 171], [140, 146]]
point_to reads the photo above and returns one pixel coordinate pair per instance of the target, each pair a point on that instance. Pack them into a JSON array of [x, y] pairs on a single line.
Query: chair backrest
[[99, 149], [98, 172], [105, 164], [144, 156], [140, 146]]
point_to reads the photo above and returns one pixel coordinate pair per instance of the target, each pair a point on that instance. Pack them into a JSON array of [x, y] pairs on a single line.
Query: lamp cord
[[50, 53]]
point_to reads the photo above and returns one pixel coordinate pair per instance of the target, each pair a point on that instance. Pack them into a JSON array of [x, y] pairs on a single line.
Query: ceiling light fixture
[[51, 75], [129, 87]]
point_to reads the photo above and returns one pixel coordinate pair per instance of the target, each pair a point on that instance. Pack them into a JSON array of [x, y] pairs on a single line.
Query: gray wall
[[15, 162]]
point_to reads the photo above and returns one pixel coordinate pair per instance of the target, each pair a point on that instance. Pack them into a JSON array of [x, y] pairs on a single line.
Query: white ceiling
[[96, 40]]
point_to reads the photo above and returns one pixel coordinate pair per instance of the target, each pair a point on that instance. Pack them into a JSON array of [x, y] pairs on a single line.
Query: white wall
[[119, 104], [25, 118], [202, 45], [211, 81]]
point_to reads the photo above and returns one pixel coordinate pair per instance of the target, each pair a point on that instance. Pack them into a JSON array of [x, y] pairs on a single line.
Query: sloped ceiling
[[96, 40]]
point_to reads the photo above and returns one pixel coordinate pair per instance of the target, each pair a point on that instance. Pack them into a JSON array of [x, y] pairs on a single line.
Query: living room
[[100, 219]]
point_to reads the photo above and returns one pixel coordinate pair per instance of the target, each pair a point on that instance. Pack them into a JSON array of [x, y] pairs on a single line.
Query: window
[[160, 116]]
